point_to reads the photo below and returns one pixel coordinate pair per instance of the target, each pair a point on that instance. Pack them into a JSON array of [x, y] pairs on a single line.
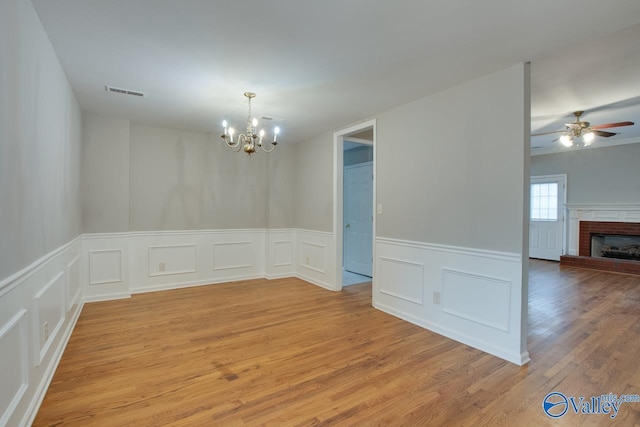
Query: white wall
[[40, 218], [595, 175]]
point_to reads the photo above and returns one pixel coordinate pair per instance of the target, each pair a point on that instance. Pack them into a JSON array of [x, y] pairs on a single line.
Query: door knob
[[348, 225]]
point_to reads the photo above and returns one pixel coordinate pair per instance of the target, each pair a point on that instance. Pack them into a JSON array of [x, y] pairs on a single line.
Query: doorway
[[547, 219], [357, 212], [354, 201]]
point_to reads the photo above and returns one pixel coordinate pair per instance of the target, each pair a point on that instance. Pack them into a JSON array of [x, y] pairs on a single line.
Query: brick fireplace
[[589, 227]]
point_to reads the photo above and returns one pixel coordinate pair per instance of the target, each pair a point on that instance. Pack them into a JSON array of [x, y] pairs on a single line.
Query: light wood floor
[[284, 352]]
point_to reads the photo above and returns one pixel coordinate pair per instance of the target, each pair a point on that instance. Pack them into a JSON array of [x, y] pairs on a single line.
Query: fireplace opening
[[615, 246]]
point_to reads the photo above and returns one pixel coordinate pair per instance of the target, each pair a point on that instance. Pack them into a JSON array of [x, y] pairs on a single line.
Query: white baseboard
[[180, 285], [106, 297], [315, 281]]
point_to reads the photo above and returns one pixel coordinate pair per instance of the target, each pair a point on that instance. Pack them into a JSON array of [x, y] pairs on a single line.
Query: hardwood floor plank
[[284, 352]]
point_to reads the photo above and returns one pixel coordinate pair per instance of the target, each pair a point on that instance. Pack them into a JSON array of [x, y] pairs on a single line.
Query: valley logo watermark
[[556, 404]]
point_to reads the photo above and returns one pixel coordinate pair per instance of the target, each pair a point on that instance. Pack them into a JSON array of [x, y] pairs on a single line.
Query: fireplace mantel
[[613, 212]]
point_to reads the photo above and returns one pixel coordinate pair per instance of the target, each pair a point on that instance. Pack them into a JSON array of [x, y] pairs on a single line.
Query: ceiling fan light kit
[[581, 133], [252, 139]]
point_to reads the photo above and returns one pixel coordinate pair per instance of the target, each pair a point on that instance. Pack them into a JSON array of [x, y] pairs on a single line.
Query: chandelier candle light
[[253, 138]]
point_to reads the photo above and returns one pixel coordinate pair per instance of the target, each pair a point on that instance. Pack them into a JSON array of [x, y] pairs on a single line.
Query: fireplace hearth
[[610, 246]]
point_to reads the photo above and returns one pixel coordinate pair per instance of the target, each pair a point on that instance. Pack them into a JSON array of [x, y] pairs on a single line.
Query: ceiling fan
[[584, 130]]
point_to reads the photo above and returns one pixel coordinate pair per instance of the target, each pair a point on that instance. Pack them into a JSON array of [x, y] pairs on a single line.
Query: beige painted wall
[[463, 188], [105, 175], [281, 185], [596, 175], [188, 181], [142, 178], [313, 191], [461, 183], [40, 143]]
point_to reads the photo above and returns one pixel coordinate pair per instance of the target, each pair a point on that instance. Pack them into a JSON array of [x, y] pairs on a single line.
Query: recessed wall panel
[[402, 279], [48, 315], [13, 363], [232, 255], [172, 259], [282, 253], [73, 282], [480, 299], [105, 266], [313, 256]]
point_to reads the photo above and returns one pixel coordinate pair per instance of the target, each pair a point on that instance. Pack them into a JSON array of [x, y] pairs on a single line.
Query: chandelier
[[252, 139]]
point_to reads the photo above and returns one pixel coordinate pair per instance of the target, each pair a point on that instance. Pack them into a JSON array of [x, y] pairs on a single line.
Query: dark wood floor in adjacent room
[[284, 352]]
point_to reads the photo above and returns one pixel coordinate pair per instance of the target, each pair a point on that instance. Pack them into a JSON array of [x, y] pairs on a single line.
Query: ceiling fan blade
[[548, 133], [603, 133], [612, 125]]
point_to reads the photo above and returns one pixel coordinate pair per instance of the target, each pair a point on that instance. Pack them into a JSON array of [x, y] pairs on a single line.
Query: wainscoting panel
[[233, 255], [194, 258], [279, 253], [14, 357], [73, 289], [105, 266], [313, 256], [470, 295], [466, 295], [313, 250], [172, 259], [48, 316], [402, 279], [282, 253], [30, 351]]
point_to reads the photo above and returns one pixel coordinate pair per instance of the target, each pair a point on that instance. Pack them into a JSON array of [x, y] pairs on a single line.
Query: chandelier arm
[[236, 146], [273, 147], [232, 144]]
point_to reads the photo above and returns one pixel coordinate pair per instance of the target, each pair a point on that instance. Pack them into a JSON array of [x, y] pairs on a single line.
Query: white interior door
[[358, 218], [546, 229]]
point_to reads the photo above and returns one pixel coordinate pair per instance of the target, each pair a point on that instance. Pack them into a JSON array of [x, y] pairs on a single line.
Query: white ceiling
[[321, 65]]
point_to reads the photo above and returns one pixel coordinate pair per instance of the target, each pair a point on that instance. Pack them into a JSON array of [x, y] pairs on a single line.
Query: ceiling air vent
[[272, 118], [124, 91]]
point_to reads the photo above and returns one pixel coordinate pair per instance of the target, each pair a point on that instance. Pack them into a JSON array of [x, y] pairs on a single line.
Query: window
[[544, 201]]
